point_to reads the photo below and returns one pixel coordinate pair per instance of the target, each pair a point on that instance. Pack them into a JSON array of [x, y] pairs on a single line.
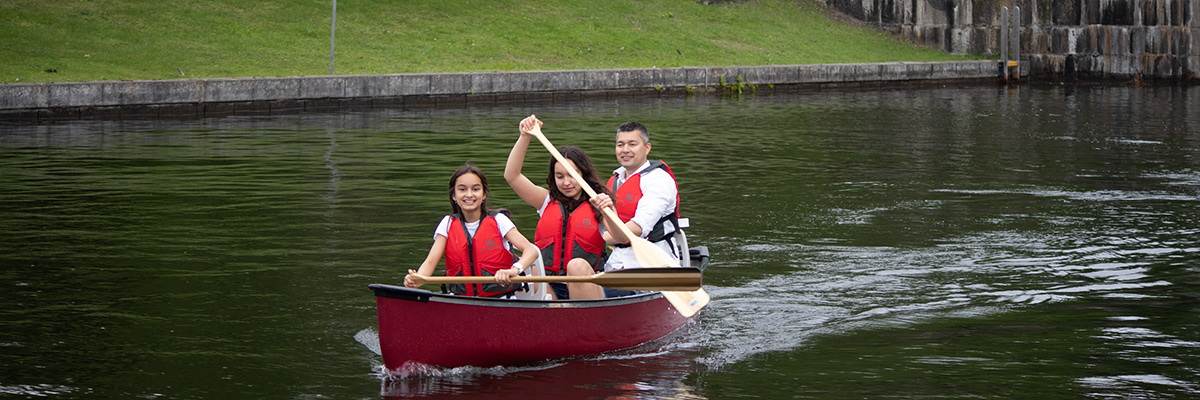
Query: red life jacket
[[626, 199], [563, 239], [479, 255]]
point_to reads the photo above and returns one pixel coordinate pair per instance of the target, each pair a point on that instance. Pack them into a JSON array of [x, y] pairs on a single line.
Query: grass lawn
[[77, 40]]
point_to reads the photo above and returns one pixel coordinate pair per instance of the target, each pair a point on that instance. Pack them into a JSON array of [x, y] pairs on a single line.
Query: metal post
[[1016, 41], [332, 27], [1004, 41]]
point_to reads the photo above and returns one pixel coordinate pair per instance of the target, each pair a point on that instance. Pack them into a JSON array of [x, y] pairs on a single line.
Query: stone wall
[[1061, 40], [38, 102]]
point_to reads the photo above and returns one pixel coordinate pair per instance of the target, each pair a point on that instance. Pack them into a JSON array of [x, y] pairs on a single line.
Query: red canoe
[[418, 326]]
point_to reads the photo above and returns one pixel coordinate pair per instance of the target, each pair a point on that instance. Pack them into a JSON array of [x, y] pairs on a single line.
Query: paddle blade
[[651, 256], [687, 303], [649, 279]]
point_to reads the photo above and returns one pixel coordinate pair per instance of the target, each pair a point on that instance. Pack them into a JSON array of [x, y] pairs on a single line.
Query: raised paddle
[[648, 255], [628, 279]]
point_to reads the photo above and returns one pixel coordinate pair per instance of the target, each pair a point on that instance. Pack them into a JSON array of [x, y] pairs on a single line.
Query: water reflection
[[658, 370]]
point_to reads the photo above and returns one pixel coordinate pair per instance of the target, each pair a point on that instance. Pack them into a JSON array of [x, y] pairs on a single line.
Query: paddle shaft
[[608, 211]]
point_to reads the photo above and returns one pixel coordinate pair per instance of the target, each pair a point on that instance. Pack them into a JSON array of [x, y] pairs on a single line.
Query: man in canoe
[[646, 198]]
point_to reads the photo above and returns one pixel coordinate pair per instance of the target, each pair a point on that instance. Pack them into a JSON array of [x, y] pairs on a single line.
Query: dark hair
[[468, 168], [632, 126], [583, 165]]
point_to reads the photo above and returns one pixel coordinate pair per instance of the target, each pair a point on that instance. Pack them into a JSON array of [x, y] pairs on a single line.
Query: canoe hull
[[416, 326]]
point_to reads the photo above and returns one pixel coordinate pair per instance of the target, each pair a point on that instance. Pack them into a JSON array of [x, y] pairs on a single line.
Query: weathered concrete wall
[[55, 101], [1062, 40]]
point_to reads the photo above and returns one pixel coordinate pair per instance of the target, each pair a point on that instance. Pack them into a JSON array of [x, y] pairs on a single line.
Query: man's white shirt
[[658, 201]]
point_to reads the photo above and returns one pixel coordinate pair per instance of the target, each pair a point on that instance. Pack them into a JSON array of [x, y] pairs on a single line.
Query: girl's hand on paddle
[[504, 276], [529, 123], [601, 201], [408, 282]]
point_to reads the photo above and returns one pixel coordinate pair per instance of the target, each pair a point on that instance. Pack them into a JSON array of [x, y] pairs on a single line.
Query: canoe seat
[[535, 291], [695, 257]]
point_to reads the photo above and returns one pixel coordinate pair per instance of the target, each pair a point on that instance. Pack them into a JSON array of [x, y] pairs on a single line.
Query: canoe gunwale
[[424, 296]]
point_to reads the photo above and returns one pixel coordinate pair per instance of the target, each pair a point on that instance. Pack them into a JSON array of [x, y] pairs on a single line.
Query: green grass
[[155, 39]]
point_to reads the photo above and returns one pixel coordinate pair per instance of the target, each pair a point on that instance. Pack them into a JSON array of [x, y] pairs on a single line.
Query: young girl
[[569, 234], [475, 240]]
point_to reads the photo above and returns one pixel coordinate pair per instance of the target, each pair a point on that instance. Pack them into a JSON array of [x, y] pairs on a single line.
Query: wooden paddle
[[628, 279], [648, 255]]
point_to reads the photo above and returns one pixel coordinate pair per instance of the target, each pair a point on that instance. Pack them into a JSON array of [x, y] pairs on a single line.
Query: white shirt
[[502, 222], [658, 201]]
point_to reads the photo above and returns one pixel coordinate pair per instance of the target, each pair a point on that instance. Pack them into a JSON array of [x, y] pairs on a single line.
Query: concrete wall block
[[128, 92], [598, 79], [698, 76], [1193, 68], [984, 40], [1194, 38], [638, 78], [227, 90], [1121, 66], [1181, 41], [1137, 40], [24, 95], [308, 87], [372, 85], [1193, 15], [781, 74], [524, 81], [449, 83], [673, 77], [483, 83], [974, 69], [960, 40], [859, 73], [814, 73], [933, 12], [176, 91], [278, 88], [1063, 13], [74, 94], [892, 72], [565, 80], [920, 71], [754, 75], [1116, 12], [415, 85]]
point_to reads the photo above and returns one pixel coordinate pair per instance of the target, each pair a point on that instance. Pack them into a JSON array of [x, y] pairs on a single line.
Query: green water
[[1042, 242]]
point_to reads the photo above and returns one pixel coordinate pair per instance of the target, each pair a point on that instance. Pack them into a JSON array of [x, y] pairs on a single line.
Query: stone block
[[568, 80], [522, 81], [917, 71], [222, 90], [483, 82], [75, 94], [699, 76], [176, 91], [371, 85], [280, 88], [637, 78], [450, 83], [673, 77], [127, 92], [415, 85], [812, 73], [24, 95]]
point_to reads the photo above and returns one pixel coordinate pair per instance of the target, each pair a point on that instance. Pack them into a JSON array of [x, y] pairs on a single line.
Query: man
[[646, 198]]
